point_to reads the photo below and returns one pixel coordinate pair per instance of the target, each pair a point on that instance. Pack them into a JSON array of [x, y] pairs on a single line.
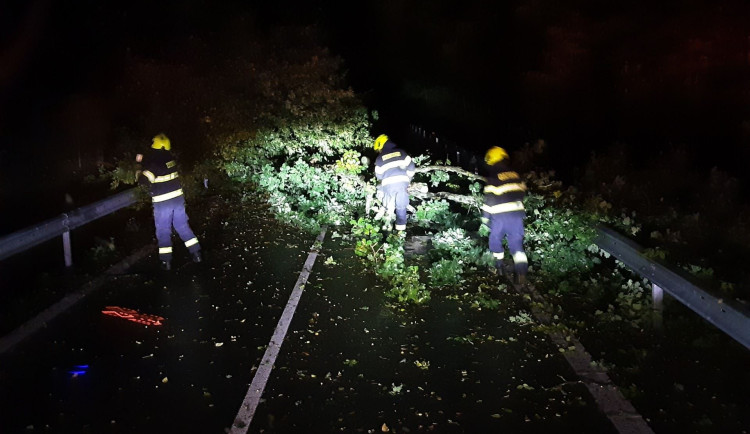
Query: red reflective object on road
[[133, 315]]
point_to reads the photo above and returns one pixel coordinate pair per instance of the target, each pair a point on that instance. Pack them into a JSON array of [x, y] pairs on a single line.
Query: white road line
[[620, 412], [252, 398]]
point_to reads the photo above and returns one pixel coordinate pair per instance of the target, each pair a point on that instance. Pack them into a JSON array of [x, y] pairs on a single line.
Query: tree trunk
[[419, 191]]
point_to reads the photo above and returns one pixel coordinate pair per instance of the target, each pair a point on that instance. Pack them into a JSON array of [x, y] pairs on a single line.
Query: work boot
[[521, 279], [197, 257], [166, 265], [499, 267]]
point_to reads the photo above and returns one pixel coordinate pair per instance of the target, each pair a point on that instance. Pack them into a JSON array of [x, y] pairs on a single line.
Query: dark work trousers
[[510, 225], [166, 215], [396, 198]]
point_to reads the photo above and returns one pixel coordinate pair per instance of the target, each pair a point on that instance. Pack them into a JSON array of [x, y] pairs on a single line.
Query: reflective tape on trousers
[[167, 196]]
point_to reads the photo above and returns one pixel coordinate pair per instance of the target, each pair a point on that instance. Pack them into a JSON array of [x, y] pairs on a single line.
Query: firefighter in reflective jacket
[[503, 211], [394, 169], [160, 175]]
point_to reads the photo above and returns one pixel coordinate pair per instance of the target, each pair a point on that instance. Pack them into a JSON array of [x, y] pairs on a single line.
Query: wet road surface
[[350, 363]]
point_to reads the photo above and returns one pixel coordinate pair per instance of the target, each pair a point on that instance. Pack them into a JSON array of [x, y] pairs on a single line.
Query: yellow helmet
[[495, 155], [161, 142], [380, 142]]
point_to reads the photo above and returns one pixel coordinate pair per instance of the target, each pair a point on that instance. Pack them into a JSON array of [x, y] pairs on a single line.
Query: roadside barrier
[[732, 319], [447, 149], [25, 239]]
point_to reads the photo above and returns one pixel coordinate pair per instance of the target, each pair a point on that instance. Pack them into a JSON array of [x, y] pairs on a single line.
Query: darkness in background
[[580, 75], [65, 63]]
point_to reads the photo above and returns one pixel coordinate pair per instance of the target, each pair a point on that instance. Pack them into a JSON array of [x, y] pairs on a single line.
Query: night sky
[[579, 74]]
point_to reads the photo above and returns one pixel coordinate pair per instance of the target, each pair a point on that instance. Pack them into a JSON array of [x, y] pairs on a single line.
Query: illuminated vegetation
[[305, 150], [300, 140]]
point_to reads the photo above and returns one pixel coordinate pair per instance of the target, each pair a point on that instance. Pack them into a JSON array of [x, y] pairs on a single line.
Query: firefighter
[[394, 169], [160, 175], [503, 211]]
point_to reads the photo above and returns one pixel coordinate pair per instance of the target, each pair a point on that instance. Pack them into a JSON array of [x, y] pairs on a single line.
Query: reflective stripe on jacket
[[160, 174], [504, 191], [393, 165]]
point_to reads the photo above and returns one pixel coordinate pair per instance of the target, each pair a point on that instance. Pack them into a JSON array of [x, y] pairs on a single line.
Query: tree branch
[[458, 170], [419, 191]]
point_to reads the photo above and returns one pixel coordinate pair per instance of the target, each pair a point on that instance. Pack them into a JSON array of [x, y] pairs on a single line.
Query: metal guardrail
[[26, 238], [446, 148], [734, 321]]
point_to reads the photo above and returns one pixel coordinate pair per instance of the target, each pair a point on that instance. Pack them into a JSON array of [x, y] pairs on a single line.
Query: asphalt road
[[351, 362]]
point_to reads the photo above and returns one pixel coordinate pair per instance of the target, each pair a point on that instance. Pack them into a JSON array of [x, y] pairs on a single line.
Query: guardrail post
[[657, 297], [66, 249], [50, 229], [730, 317]]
